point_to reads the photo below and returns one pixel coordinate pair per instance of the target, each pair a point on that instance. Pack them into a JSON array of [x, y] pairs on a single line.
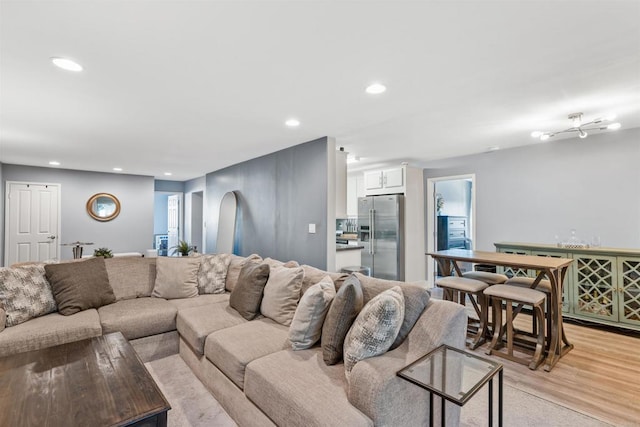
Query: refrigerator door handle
[[372, 222]]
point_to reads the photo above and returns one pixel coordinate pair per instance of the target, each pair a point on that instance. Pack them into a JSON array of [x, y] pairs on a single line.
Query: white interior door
[[173, 221], [32, 227]]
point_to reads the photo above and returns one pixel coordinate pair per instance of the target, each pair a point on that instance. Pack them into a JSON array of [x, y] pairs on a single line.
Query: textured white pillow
[[306, 326], [213, 273], [281, 294], [176, 277], [375, 328], [25, 293]]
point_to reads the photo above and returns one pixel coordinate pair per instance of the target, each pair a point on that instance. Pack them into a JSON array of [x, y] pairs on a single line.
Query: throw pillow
[[306, 326], [235, 265], [416, 298], [375, 328], [281, 294], [246, 295], [79, 286], [176, 277], [313, 275], [274, 263], [344, 309], [24, 294], [213, 273]]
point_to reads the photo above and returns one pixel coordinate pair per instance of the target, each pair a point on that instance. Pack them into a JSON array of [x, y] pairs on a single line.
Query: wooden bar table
[[555, 270]]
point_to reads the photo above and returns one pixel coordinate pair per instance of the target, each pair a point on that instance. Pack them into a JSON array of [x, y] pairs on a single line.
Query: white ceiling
[[193, 86]]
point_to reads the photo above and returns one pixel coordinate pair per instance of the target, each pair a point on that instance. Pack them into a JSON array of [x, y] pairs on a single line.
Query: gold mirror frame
[[94, 211]]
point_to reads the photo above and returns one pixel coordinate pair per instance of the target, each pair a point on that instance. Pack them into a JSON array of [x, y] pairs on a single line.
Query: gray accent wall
[[279, 195], [537, 192], [131, 231]]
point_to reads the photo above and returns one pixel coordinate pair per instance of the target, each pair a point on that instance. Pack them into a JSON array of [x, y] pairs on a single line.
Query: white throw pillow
[[306, 326], [25, 293], [281, 294], [375, 329], [213, 273], [176, 277]]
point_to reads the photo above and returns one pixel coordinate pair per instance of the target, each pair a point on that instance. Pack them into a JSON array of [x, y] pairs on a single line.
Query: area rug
[[193, 406]]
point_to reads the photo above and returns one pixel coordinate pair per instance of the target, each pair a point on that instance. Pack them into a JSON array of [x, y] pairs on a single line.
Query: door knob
[[52, 237]]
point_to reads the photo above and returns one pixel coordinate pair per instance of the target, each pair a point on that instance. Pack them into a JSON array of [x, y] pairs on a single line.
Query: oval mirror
[[103, 207]]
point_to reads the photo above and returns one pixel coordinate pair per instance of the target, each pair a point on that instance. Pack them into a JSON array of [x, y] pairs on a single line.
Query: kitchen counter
[[343, 247]]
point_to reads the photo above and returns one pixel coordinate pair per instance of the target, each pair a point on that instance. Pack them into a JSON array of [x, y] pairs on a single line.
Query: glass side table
[[454, 375]]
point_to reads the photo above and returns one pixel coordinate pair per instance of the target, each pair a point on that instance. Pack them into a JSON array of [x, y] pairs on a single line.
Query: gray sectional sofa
[[248, 365]]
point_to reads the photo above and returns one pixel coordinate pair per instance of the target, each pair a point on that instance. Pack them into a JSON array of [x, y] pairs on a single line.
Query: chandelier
[[580, 127]]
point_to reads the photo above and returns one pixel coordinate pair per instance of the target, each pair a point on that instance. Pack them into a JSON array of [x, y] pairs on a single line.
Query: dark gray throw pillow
[[246, 295], [344, 309], [79, 286]]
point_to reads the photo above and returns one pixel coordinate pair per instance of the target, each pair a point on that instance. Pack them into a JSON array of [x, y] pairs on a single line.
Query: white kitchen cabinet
[[355, 189], [387, 181]]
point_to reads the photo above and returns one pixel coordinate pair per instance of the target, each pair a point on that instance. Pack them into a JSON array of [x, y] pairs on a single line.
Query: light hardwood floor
[[600, 377]]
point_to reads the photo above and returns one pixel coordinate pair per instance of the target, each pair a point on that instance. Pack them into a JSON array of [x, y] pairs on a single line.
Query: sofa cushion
[[79, 286], [416, 298], [131, 277], [281, 294], [176, 277], [345, 307], [24, 294], [274, 263], [306, 326], [231, 349], [313, 275], [235, 265], [309, 393], [195, 323], [213, 273], [184, 303], [137, 318], [375, 328], [49, 330], [246, 296]]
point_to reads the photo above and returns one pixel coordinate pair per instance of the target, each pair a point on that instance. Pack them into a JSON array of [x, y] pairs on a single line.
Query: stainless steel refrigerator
[[381, 232]]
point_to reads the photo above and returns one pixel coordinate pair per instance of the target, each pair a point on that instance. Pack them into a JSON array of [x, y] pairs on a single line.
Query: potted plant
[[182, 248], [103, 252]]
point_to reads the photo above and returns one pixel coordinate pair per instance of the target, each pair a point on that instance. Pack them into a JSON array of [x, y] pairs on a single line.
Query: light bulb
[[66, 64], [582, 134], [614, 126], [544, 136], [292, 123], [536, 134], [376, 89]]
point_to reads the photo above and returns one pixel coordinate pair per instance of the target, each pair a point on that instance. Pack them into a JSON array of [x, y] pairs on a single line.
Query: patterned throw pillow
[[306, 326], [375, 328], [213, 273], [25, 293]]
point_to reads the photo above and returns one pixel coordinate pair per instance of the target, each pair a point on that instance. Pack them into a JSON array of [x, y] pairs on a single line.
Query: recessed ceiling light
[[376, 89], [54, 163], [292, 123], [66, 64], [167, 173], [117, 169]]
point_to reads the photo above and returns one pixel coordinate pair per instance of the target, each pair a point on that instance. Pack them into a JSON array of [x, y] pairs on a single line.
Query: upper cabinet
[[355, 189], [387, 181]]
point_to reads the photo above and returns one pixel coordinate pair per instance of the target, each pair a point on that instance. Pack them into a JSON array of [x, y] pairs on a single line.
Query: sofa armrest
[[376, 390]]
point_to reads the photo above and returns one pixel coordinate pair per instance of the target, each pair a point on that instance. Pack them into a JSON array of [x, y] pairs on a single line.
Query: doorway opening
[[168, 220], [450, 217]]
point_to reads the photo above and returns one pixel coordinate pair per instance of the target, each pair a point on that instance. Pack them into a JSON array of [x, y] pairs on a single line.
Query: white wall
[[131, 231], [533, 193]]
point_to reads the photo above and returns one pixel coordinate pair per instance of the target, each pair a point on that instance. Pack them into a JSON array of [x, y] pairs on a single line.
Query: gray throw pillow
[[416, 298], [24, 294], [176, 277], [375, 328], [212, 275], [79, 286], [235, 265], [313, 275], [281, 294], [246, 295], [345, 307], [306, 326]]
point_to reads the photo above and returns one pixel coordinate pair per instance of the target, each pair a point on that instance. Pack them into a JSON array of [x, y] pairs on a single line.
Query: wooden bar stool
[[487, 277], [543, 286], [460, 287], [517, 295]]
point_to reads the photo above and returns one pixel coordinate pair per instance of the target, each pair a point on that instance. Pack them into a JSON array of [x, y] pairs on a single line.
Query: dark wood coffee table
[[95, 382]]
